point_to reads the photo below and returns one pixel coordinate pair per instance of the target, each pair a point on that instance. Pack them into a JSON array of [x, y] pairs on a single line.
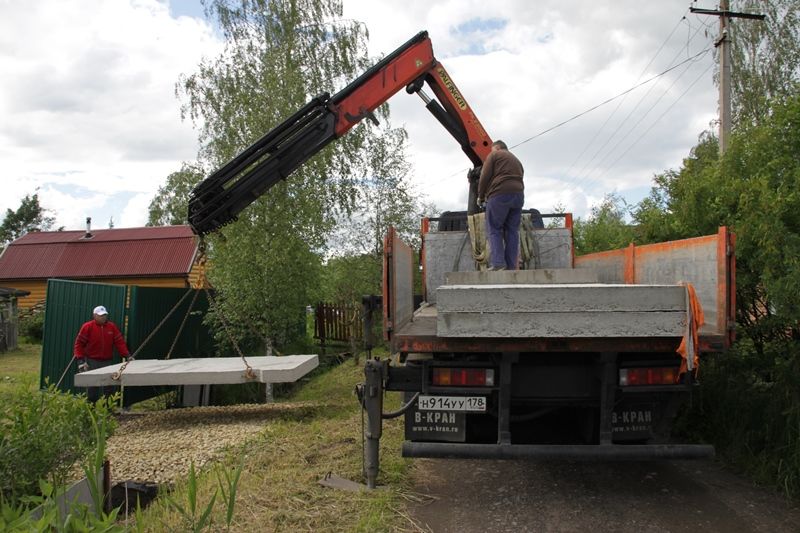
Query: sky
[[89, 119]]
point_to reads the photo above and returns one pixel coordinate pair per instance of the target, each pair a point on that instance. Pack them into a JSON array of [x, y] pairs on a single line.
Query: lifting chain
[[249, 373], [118, 374], [203, 283], [183, 324]]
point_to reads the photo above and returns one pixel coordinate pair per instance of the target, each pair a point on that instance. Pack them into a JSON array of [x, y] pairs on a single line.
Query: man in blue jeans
[[502, 191]]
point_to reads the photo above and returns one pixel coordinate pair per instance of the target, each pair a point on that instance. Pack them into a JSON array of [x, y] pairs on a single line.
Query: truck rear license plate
[[472, 404]]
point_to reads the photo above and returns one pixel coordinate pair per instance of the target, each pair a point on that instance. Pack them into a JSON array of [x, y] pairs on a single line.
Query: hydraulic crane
[[219, 198]]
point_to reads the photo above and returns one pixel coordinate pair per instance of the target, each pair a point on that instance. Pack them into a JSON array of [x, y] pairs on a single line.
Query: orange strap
[[694, 320]]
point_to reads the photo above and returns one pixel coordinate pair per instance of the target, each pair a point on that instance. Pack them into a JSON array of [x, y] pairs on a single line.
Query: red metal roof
[[156, 251]]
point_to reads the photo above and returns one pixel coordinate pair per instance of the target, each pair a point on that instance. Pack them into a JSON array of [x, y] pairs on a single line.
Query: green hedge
[[43, 434], [748, 406]]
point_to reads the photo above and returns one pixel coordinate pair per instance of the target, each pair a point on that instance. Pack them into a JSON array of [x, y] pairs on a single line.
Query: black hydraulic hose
[[402, 410]]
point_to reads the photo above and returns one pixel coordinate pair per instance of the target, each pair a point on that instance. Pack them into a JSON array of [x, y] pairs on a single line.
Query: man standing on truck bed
[[502, 191]]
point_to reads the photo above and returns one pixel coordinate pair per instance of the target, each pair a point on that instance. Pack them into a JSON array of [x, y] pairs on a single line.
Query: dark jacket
[[501, 174], [96, 341]]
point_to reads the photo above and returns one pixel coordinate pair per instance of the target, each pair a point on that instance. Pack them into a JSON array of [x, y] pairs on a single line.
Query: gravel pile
[[160, 446]]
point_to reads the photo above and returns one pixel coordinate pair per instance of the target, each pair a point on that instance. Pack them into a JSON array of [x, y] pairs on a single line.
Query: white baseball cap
[[100, 310]]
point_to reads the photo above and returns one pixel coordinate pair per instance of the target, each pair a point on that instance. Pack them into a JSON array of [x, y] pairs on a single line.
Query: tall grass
[[749, 407]]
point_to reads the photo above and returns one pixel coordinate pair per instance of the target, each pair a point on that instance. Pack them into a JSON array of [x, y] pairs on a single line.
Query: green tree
[[749, 404], [170, 204], [348, 277], [679, 202], [765, 55], [605, 228], [29, 216], [267, 265], [752, 189], [384, 199]]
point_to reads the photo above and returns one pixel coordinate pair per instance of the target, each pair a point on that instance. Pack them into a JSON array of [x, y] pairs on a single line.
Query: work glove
[[83, 366]]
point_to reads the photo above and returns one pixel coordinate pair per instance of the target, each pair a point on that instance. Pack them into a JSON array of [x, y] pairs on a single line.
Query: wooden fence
[[337, 322], [8, 325]]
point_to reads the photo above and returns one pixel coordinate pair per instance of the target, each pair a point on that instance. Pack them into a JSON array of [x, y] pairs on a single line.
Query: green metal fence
[[70, 304], [149, 306]]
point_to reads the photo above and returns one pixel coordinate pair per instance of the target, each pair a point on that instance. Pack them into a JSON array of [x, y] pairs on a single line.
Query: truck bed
[[708, 263]]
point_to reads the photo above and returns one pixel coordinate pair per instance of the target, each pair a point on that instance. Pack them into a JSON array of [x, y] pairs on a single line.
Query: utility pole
[[723, 42]]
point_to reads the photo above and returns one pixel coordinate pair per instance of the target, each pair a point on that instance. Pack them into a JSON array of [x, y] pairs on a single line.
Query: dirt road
[[493, 496]]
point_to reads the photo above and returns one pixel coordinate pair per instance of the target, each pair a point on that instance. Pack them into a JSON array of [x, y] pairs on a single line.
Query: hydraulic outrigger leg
[[373, 404]]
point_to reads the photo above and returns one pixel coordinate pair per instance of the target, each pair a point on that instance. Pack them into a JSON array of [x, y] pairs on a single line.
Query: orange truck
[[582, 357], [579, 357]]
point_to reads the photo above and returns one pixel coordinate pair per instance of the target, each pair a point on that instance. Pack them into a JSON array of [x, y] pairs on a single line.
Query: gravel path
[[160, 446], [492, 496]]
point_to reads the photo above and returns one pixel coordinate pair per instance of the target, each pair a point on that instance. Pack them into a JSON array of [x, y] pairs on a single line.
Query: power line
[[640, 137], [628, 116], [587, 178], [574, 117], [619, 104], [593, 108]]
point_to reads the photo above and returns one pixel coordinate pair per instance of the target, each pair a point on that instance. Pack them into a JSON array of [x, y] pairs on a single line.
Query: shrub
[[32, 327], [47, 513], [43, 434], [747, 407]]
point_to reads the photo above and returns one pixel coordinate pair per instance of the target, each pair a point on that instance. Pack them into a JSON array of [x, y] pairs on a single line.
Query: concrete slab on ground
[[561, 324], [541, 298], [506, 277], [201, 371]]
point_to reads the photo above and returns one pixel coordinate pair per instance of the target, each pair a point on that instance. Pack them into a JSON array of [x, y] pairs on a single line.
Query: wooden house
[[162, 256]]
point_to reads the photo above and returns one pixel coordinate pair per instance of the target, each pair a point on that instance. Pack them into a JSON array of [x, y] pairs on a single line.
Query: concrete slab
[[201, 371], [553, 248], [447, 251], [561, 325], [545, 276], [701, 261], [451, 251], [530, 298]]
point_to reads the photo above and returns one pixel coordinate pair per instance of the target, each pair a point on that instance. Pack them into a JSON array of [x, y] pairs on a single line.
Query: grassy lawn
[[20, 366], [279, 489]]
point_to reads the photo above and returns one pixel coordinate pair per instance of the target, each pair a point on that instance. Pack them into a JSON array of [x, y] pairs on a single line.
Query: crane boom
[[219, 198]]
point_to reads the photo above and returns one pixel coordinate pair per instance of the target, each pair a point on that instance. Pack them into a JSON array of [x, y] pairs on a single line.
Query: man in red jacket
[[94, 346]]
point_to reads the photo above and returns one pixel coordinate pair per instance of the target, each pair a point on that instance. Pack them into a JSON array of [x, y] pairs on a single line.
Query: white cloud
[[551, 60], [135, 212], [69, 207], [88, 111], [88, 100]]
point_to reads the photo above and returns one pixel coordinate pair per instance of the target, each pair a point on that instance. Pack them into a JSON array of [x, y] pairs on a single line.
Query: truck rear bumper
[[612, 452]]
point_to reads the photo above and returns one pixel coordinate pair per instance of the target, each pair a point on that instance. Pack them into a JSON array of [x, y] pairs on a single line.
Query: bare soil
[[492, 496]]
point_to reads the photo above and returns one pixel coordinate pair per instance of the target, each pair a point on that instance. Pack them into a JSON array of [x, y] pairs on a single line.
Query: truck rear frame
[[599, 398]]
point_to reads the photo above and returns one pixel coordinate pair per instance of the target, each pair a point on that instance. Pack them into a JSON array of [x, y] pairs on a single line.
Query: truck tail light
[[463, 377], [632, 377]]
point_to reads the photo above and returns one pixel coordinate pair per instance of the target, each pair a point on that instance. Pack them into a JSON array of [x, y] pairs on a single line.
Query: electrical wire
[[604, 102], [640, 137], [587, 178], [693, 58], [619, 104], [630, 114]]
